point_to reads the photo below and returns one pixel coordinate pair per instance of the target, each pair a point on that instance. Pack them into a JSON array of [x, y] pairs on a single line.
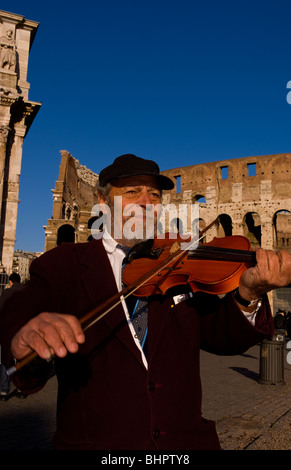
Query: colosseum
[[249, 196]]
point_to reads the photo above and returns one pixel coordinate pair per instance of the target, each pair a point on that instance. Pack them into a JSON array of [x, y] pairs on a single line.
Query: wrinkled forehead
[[139, 180]]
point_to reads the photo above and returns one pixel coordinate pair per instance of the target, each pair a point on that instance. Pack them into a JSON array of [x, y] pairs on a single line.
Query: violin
[[156, 265], [214, 267]]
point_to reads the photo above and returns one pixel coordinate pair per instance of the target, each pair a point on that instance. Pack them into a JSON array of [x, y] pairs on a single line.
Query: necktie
[[137, 309]]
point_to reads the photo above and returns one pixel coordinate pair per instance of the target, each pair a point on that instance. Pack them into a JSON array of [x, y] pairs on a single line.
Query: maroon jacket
[[106, 398]]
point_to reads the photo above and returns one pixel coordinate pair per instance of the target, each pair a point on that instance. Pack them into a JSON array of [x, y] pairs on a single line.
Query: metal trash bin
[[272, 361]]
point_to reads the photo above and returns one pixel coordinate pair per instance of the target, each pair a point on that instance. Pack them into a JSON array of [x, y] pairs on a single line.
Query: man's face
[[135, 204]]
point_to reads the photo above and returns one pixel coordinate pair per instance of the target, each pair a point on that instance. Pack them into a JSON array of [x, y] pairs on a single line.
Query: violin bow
[[176, 254]]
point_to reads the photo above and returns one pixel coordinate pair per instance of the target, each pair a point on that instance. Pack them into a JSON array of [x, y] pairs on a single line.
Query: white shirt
[[116, 256]]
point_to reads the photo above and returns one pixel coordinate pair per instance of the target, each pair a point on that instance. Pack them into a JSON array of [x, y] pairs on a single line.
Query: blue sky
[[178, 81]]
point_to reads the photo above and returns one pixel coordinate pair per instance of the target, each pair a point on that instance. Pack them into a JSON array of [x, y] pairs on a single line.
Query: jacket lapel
[[95, 267]]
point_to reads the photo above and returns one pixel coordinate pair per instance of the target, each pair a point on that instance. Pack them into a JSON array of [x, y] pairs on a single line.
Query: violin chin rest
[[142, 250]]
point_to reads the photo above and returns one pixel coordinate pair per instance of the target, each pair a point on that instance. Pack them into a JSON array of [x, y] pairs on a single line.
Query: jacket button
[[151, 386], [156, 434]]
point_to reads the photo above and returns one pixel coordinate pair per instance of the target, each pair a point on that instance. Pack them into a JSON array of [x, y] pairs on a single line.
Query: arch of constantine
[[17, 113]]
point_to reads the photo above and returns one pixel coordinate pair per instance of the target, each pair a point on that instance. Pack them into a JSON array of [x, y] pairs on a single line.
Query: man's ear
[[101, 199]]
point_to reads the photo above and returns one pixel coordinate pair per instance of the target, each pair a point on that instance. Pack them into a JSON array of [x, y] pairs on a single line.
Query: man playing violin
[[116, 391]]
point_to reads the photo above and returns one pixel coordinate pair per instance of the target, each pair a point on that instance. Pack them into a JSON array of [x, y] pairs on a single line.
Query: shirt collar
[[108, 242], [111, 245]]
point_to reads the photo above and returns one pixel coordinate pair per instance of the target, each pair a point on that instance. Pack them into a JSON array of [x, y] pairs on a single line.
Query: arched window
[[198, 225], [282, 230], [66, 234], [176, 226], [199, 198], [225, 226], [252, 228]]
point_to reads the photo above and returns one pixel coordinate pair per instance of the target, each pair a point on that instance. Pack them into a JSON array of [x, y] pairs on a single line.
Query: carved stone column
[[11, 194], [4, 131]]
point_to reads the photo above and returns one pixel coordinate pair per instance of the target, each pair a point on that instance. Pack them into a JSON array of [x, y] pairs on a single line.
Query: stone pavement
[[248, 415]]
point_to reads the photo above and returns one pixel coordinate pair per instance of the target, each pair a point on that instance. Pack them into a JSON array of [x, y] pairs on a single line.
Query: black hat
[[131, 165]]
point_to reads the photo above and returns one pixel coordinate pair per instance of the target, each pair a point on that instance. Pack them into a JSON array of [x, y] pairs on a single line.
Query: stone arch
[[282, 230], [225, 226], [252, 228], [201, 226], [199, 198], [176, 225], [65, 234], [281, 224], [90, 223]]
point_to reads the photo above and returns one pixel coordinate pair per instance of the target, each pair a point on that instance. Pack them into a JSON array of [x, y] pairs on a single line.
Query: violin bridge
[[174, 248]]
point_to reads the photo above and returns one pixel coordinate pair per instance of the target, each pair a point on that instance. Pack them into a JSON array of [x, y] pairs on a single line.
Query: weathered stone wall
[[251, 196], [74, 196]]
